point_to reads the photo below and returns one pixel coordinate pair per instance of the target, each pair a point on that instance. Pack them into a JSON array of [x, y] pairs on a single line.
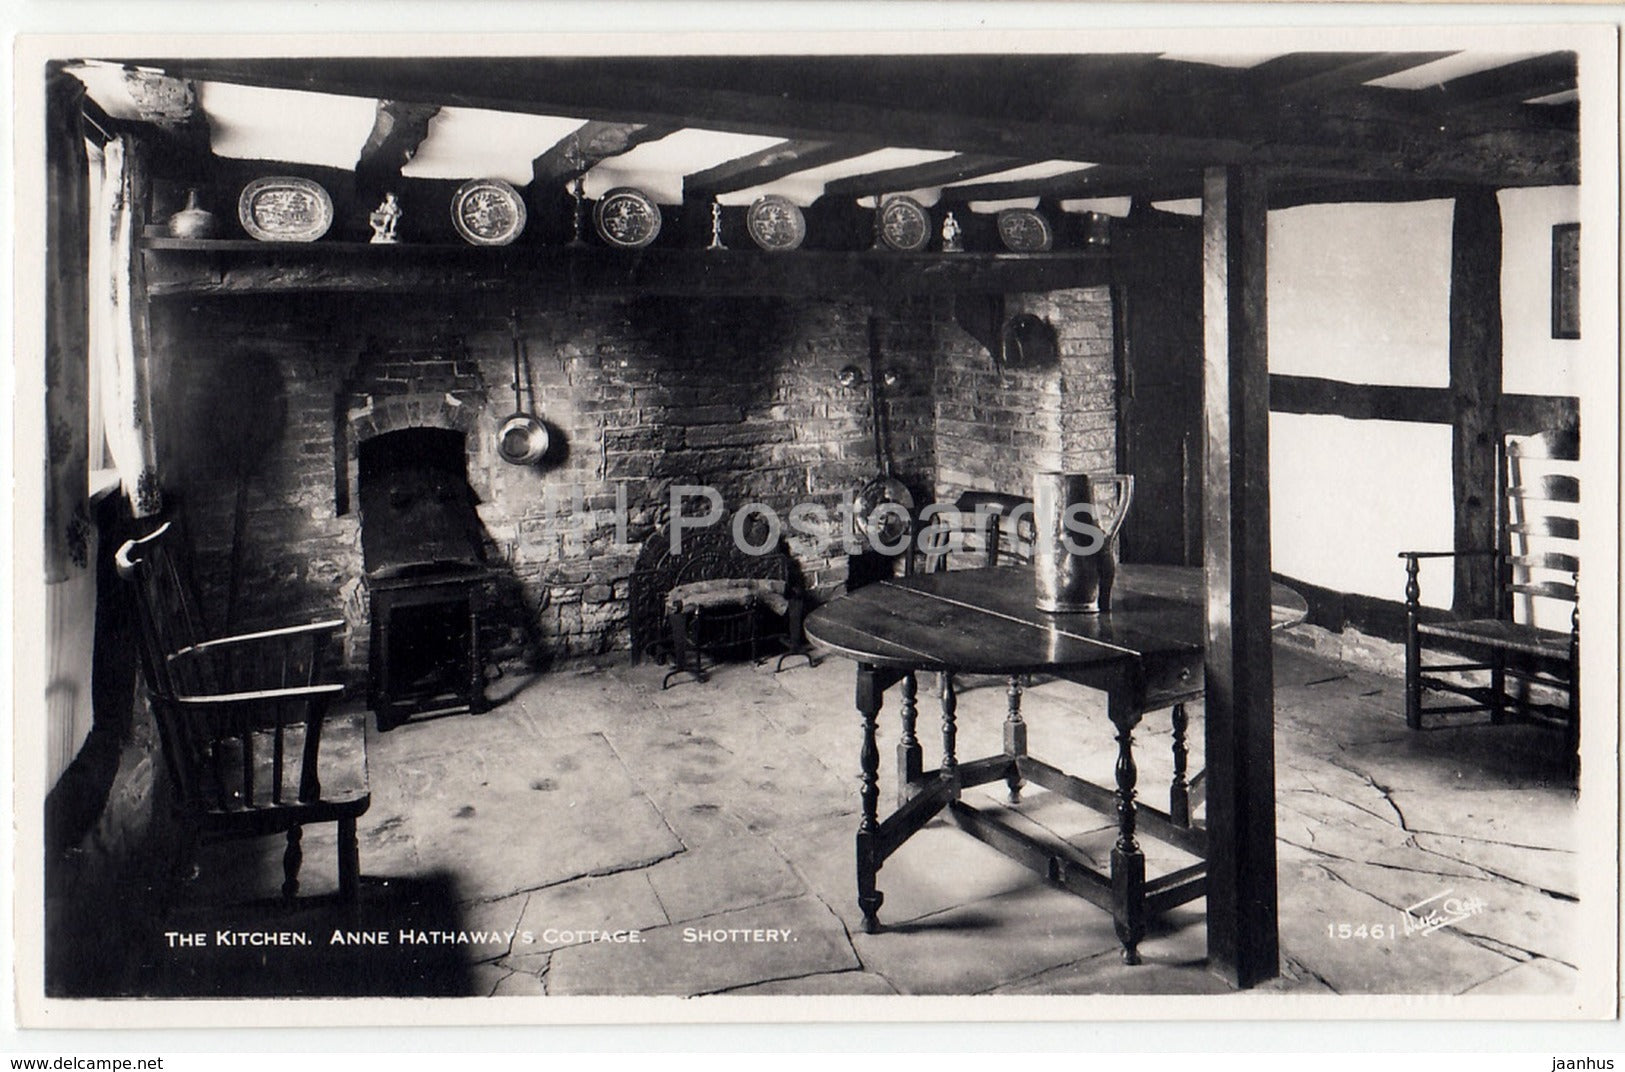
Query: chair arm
[[263, 695], [1474, 552], [329, 626]]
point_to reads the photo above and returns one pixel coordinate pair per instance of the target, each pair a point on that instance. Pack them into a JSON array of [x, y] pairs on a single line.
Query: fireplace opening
[[417, 508], [423, 548]]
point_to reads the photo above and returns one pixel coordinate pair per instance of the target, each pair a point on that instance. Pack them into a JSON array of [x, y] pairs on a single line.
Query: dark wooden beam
[[1360, 401], [1242, 925], [1290, 191], [770, 164], [182, 269], [590, 145], [398, 130], [1307, 74], [920, 176], [1537, 76], [1215, 118], [1475, 394], [1520, 414]]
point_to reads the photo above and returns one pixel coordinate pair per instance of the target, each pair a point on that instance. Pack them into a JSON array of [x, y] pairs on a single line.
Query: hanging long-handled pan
[[522, 438], [879, 526]]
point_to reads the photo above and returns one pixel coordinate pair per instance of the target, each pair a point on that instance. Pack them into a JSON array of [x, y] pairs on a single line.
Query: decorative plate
[[1024, 231], [627, 218], [904, 225], [487, 212], [776, 223], [285, 209]]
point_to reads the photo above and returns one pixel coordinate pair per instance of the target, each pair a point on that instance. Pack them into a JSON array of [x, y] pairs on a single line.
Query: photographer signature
[[1440, 910]]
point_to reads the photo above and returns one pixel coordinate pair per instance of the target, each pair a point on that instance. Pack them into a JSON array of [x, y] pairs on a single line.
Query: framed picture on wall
[[1566, 281]]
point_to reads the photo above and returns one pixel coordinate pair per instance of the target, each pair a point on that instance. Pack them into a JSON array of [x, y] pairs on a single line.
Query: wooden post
[[1243, 944], [1475, 395]]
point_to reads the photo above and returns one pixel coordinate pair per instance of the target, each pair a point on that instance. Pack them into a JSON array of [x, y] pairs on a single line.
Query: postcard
[[1023, 524]]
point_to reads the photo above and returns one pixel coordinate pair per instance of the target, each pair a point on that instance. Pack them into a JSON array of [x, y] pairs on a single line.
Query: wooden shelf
[[194, 267]]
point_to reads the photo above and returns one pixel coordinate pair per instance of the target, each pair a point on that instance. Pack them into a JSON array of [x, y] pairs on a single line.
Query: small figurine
[[383, 221], [716, 226], [950, 235]]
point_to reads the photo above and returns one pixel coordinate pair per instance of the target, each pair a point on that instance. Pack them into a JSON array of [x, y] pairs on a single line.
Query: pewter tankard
[[1075, 539]]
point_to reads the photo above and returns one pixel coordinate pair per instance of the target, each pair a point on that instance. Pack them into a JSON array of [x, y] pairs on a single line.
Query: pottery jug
[[193, 221]]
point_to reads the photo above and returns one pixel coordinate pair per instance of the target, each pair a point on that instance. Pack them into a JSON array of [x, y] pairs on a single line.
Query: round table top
[[985, 621]]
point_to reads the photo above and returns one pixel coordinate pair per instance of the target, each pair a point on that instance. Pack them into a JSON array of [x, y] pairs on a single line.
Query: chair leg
[[1498, 689], [1413, 648], [349, 860], [292, 857]]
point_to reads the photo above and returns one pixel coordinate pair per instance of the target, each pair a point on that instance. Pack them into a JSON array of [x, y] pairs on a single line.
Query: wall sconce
[[852, 376]]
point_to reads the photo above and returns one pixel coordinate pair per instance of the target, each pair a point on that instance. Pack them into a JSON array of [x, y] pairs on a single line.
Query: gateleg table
[[1145, 653]]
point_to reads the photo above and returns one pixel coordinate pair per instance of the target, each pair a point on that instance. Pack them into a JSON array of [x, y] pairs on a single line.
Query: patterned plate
[[487, 212], [904, 225], [285, 209], [776, 223], [627, 218], [1024, 231]]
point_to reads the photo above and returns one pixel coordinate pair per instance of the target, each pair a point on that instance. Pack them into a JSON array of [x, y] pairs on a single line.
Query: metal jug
[[1075, 550]]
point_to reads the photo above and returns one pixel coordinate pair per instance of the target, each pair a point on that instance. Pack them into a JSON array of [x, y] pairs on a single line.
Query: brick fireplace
[[639, 393]]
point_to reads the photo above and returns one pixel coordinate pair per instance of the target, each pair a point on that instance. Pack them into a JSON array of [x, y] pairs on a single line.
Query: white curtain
[[125, 367]]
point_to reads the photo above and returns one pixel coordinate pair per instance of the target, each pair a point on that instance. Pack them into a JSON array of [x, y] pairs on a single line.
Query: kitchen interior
[[438, 353]]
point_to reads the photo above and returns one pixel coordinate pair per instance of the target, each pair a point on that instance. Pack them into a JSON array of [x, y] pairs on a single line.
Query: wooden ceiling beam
[[1305, 73], [921, 176], [1514, 83], [1383, 134], [398, 131], [1106, 180], [590, 145], [769, 165]]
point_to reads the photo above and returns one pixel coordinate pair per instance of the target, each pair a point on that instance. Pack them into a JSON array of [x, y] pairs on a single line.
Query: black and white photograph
[[842, 525]]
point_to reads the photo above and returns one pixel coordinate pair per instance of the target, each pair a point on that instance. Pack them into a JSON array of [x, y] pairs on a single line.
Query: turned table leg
[[1128, 862], [869, 898], [1015, 738], [1179, 794], [950, 729], [910, 760]]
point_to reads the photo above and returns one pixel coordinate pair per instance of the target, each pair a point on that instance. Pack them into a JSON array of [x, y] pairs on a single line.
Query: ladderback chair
[[1523, 661], [248, 741]]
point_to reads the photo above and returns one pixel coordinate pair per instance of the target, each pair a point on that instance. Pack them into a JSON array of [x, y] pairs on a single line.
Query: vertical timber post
[[1243, 942], [1475, 396]]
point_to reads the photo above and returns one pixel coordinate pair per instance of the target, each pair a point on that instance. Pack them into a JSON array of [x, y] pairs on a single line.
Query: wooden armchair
[[243, 722], [1533, 670], [983, 528]]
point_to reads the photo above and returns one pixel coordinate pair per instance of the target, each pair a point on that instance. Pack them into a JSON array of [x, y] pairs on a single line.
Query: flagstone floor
[[590, 802]]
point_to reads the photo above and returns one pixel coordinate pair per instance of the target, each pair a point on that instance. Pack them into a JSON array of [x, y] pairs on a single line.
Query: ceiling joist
[[590, 145], [1194, 117], [921, 176], [769, 165], [397, 133]]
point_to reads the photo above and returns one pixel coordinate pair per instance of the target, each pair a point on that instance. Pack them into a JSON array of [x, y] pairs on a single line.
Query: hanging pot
[[522, 439]]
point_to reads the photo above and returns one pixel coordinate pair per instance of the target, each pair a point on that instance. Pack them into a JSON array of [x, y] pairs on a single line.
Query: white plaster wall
[[1533, 362], [1361, 293], [1347, 496]]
